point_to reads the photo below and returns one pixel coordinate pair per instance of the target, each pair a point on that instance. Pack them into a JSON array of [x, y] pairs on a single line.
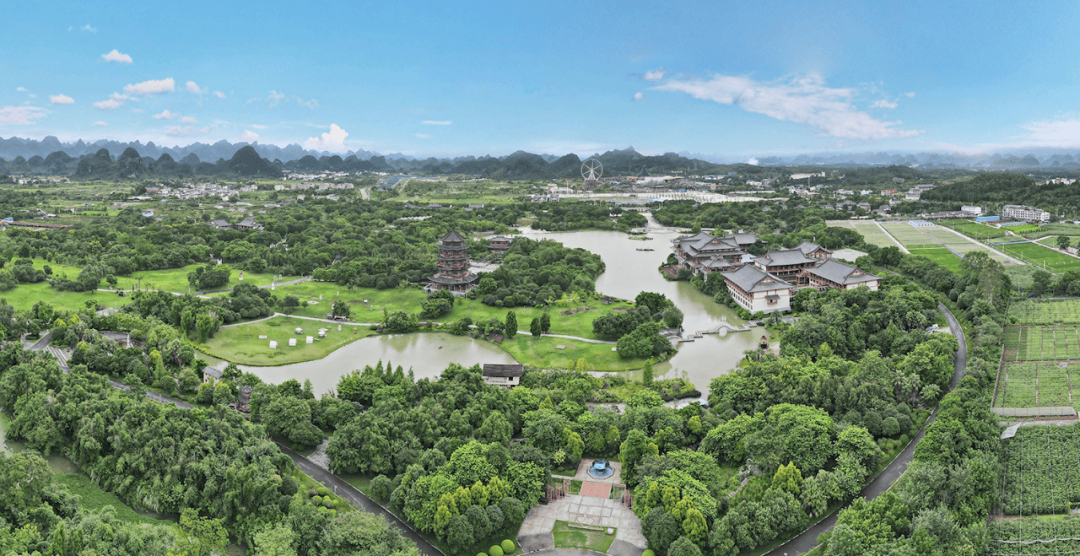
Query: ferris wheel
[[591, 169]]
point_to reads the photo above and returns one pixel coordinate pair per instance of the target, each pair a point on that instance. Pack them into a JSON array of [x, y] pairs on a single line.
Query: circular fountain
[[600, 469]]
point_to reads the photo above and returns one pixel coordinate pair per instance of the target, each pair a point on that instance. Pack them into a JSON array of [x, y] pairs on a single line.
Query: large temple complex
[[454, 274], [766, 283]]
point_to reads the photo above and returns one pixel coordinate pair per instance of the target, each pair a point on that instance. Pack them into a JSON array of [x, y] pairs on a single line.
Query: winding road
[[808, 539]]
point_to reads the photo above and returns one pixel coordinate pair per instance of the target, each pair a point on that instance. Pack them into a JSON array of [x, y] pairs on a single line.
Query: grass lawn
[[574, 537], [241, 343], [941, 256], [574, 319], [541, 352], [175, 279], [24, 296], [1050, 259], [94, 498], [972, 229]]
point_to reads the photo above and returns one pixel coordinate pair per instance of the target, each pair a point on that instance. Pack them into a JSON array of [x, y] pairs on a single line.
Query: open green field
[[575, 537], [367, 304], [1048, 259], [1046, 312], [1042, 343], [24, 296], [242, 343], [925, 237], [175, 279], [93, 498], [1051, 241], [867, 228], [544, 353], [941, 256], [973, 229], [1057, 229], [1022, 229]]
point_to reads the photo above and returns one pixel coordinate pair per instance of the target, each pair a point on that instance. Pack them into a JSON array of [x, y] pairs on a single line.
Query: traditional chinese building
[[499, 244], [506, 376], [454, 274]]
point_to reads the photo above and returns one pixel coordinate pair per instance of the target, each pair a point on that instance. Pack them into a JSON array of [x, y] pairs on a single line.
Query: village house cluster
[[766, 283]]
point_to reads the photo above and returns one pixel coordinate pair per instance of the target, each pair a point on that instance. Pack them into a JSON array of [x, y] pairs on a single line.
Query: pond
[[427, 354]]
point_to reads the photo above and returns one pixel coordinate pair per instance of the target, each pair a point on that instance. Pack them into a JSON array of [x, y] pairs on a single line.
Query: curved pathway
[[358, 499], [808, 539]]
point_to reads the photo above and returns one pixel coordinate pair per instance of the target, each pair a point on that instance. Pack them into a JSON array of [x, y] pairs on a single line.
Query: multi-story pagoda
[[454, 274]]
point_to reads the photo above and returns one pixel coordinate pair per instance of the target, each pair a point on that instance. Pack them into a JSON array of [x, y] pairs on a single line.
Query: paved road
[[808, 539], [357, 498]]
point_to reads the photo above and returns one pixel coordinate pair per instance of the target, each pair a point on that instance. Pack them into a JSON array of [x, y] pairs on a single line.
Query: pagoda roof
[[453, 236]]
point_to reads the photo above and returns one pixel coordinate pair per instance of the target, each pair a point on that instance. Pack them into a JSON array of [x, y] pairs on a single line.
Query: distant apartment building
[[1022, 212]]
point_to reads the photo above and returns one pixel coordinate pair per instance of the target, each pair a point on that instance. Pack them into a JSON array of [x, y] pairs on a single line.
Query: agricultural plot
[[931, 237], [1042, 472], [868, 229], [1054, 535], [974, 230], [1022, 228], [1039, 366], [1043, 312], [1043, 257], [941, 256]]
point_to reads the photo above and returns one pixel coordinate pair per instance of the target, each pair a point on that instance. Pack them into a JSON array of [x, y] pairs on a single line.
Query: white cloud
[[249, 136], [61, 99], [274, 98], [752, 162], [32, 95], [639, 95], [436, 122], [192, 87], [329, 141], [1061, 133], [87, 27], [164, 115], [805, 100], [219, 94], [21, 89], [188, 120], [884, 103], [111, 104], [137, 110], [310, 103], [188, 131], [423, 136], [655, 75], [910, 94], [258, 126], [116, 56], [101, 124], [151, 87], [21, 115]]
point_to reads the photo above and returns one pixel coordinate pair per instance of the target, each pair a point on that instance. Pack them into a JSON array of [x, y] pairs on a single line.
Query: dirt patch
[[319, 457], [620, 309], [575, 311]]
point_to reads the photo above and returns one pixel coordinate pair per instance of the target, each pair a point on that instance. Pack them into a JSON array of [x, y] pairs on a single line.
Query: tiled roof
[[807, 247], [841, 273], [784, 258], [452, 235], [513, 370], [752, 279]]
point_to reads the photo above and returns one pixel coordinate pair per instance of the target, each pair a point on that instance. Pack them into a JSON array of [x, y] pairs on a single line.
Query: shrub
[[317, 500], [312, 492], [328, 504], [508, 546], [495, 550], [323, 491], [648, 553]]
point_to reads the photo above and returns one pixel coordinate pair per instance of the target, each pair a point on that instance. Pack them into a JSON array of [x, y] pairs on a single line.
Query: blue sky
[[734, 79]]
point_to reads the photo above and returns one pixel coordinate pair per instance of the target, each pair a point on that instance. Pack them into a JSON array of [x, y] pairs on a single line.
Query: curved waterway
[[628, 272]]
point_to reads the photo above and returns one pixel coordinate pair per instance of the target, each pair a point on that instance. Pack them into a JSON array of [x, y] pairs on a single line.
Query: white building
[[973, 210], [756, 290], [1022, 212], [505, 376]]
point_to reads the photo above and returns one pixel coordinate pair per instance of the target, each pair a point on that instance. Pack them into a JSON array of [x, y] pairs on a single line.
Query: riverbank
[[249, 343]]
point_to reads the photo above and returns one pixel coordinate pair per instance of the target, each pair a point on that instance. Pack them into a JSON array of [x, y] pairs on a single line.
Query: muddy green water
[[628, 272]]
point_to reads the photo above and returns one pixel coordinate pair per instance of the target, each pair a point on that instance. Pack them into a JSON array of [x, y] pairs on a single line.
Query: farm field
[[1042, 472], [1051, 241], [867, 228], [1039, 364], [941, 256], [973, 229], [929, 237], [1046, 312], [1050, 260], [1057, 229], [1006, 536], [1022, 228]]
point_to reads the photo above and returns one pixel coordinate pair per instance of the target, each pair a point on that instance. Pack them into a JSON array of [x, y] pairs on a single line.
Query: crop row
[[1004, 531], [1036, 312], [1042, 471]]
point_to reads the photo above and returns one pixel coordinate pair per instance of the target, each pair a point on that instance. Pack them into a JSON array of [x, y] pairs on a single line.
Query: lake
[[628, 272]]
